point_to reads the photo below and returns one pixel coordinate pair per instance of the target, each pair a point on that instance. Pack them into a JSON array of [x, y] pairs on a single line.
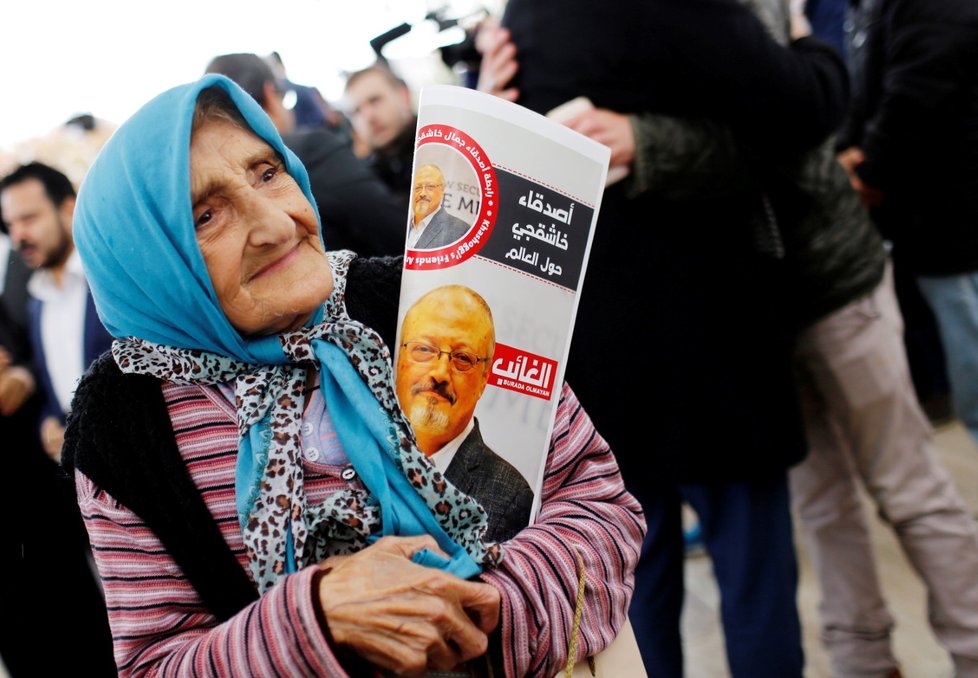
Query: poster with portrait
[[500, 225]]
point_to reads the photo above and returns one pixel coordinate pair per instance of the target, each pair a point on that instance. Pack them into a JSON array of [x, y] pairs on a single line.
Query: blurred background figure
[[64, 335], [70, 147], [911, 150], [827, 19], [310, 109], [357, 211], [380, 107], [37, 203], [19, 412]]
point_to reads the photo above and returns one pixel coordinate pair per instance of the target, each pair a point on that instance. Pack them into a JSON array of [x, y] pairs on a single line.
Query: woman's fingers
[[401, 615]]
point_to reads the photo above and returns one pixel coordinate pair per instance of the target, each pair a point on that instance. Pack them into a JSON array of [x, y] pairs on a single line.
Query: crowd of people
[[219, 471]]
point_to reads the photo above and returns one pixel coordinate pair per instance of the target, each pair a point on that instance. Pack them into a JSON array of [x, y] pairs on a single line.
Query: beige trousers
[[866, 429]]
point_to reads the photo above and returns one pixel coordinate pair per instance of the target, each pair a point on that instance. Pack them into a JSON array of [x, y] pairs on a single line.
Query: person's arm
[[679, 158], [585, 510], [161, 627]]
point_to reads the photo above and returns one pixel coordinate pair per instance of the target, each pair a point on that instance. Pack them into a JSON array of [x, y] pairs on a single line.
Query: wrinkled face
[[257, 231], [429, 189], [39, 230], [380, 110], [436, 396]]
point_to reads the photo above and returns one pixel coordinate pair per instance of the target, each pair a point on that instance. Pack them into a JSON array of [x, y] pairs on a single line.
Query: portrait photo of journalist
[[431, 225], [446, 347]]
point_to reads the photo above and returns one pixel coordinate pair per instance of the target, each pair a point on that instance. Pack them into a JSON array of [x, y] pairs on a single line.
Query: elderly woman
[[255, 498]]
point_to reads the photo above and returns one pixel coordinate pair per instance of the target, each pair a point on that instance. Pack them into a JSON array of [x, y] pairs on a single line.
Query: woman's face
[[257, 231]]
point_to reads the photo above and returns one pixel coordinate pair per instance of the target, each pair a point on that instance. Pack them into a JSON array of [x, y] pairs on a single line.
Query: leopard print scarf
[[280, 531]]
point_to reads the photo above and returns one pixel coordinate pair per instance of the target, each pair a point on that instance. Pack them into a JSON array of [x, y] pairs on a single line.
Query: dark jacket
[[681, 350], [393, 164], [915, 115], [832, 251], [494, 483], [357, 210]]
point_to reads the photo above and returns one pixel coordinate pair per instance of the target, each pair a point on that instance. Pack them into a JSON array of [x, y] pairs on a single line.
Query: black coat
[[681, 353], [357, 210], [915, 115]]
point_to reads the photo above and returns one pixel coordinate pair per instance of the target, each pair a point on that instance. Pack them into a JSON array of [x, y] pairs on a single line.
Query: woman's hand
[[402, 616]]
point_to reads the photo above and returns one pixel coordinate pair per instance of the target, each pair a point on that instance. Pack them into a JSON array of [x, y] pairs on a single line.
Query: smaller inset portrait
[[445, 199]]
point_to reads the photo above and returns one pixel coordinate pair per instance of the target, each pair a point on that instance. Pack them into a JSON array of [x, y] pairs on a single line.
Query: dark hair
[[248, 70], [57, 186], [380, 68]]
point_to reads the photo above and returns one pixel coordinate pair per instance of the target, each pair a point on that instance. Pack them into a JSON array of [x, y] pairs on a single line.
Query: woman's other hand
[[402, 616]]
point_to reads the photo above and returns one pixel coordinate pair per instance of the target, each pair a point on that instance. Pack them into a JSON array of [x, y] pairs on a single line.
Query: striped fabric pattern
[[160, 626]]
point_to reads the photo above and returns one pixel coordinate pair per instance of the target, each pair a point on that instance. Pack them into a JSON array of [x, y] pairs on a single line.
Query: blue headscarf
[[133, 227], [134, 230]]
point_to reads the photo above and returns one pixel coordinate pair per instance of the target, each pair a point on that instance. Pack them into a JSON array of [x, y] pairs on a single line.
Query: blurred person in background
[[310, 108], [383, 117], [19, 411], [46, 342], [910, 146], [37, 204], [866, 429]]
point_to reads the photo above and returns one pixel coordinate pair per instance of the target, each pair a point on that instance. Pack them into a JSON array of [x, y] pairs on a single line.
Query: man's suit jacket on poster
[[443, 229], [494, 483]]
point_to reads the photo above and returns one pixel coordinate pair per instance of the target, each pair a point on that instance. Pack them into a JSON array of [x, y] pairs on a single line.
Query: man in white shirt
[[37, 203]]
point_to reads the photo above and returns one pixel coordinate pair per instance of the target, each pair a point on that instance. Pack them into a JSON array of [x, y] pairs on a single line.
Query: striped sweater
[[160, 626]]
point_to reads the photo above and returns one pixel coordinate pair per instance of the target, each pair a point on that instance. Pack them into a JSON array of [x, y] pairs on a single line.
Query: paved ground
[[914, 643]]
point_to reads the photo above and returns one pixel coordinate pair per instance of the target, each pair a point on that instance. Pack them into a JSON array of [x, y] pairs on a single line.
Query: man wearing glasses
[[430, 225], [447, 341]]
